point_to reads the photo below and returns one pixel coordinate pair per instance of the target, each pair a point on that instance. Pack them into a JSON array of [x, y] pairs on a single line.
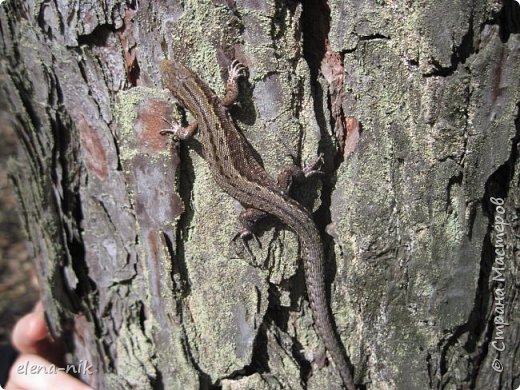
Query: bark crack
[[460, 53]]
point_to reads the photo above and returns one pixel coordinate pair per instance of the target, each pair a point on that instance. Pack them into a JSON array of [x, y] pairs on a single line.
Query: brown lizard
[[238, 173]]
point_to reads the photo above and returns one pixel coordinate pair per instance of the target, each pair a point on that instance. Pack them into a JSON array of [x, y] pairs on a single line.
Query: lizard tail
[[313, 260]]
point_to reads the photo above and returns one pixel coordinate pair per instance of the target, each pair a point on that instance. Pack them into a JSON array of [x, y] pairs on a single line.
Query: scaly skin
[[238, 173]]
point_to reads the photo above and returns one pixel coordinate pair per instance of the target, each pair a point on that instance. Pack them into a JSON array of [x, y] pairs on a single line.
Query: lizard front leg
[[236, 70]]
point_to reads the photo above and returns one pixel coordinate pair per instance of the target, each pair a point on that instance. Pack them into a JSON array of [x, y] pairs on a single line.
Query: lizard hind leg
[[179, 132], [248, 218], [292, 173]]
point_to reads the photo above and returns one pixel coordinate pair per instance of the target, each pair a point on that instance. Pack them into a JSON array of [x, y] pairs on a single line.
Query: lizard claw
[[173, 130], [245, 235], [237, 70]]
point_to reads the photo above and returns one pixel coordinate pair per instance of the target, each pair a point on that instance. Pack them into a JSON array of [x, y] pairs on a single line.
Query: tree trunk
[[415, 106]]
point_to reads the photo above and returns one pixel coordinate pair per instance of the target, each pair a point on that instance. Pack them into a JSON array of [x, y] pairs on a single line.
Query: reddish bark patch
[[497, 76], [95, 154], [353, 130], [151, 119], [128, 43], [154, 262], [333, 70], [153, 244]]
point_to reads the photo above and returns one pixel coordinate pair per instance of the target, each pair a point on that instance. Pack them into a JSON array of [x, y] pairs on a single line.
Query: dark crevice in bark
[[83, 72], [156, 380], [324, 121], [142, 316], [259, 359], [316, 26], [277, 24], [180, 284], [305, 365], [107, 213], [157, 383], [373, 37], [133, 5], [204, 379], [41, 21], [164, 47], [509, 19], [318, 53], [98, 37], [275, 316], [459, 56], [479, 329], [134, 72], [296, 107], [185, 189], [117, 148], [260, 356], [64, 149], [429, 367], [498, 186]]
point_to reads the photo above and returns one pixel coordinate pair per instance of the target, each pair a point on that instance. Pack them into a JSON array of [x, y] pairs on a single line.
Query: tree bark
[[415, 106]]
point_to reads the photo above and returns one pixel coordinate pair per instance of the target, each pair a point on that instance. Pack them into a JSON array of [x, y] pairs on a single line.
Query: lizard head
[[180, 80], [174, 75]]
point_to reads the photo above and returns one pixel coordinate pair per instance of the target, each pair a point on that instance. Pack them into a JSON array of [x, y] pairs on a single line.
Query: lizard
[[239, 174]]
